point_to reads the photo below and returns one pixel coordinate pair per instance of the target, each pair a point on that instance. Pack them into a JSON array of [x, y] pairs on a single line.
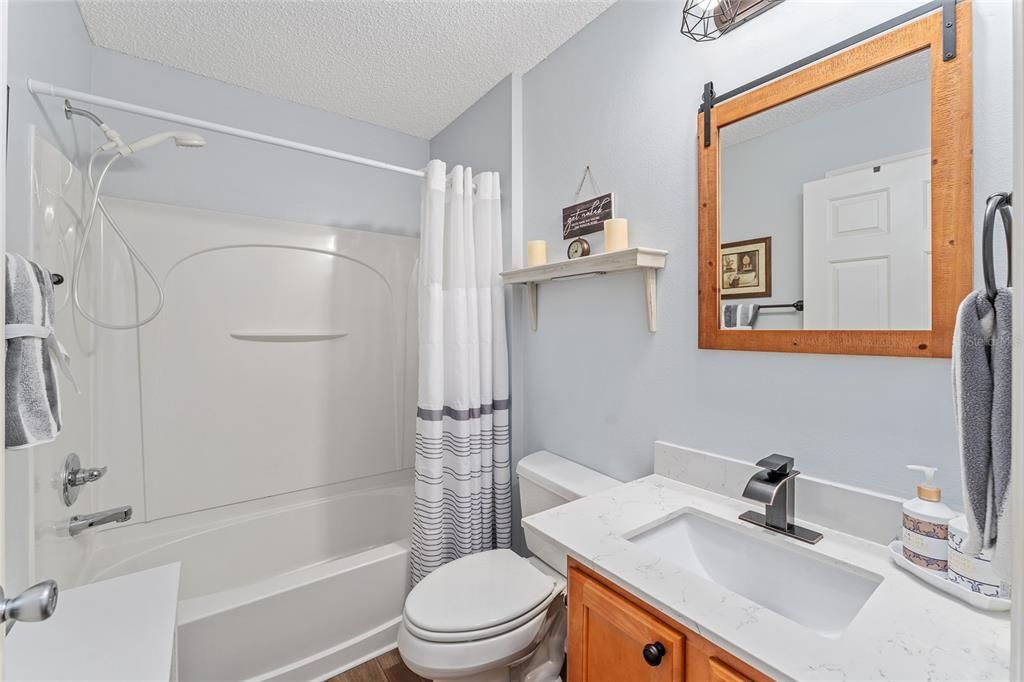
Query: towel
[[982, 347], [748, 315], [730, 315], [33, 414]]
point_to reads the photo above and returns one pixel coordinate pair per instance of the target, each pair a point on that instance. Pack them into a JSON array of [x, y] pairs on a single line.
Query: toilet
[[495, 616]]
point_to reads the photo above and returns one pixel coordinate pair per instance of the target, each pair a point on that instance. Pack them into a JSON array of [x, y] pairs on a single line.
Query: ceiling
[[894, 75], [409, 65]]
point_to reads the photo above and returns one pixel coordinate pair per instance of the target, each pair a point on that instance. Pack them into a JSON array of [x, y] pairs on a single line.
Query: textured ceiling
[[892, 76], [413, 66]]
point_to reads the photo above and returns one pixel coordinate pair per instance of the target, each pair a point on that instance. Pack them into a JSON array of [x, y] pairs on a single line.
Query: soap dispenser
[[926, 524]]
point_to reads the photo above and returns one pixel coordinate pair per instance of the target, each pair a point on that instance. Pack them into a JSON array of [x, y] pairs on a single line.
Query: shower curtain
[[463, 484]]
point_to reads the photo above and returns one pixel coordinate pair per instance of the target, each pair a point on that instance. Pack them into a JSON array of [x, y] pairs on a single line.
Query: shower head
[[181, 139]]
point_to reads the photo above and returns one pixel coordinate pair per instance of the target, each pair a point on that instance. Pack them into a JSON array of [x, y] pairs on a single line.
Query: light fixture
[[705, 20]]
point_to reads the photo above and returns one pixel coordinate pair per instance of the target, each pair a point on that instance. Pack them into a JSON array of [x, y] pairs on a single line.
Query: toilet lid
[[476, 592]]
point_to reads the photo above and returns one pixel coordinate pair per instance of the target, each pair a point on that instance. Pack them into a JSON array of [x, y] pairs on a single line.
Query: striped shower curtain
[[463, 484]]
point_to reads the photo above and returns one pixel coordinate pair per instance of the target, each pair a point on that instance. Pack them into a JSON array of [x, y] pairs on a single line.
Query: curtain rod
[[41, 88]]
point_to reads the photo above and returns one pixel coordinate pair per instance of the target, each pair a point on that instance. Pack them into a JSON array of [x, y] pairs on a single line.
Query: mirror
[[835, 202], [824, 200]]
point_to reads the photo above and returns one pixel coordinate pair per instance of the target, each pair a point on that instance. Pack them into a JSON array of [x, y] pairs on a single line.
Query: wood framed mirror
[[835, 211]]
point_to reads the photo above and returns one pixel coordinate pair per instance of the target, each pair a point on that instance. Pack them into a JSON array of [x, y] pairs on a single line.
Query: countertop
[[905, 631], [117, 629]]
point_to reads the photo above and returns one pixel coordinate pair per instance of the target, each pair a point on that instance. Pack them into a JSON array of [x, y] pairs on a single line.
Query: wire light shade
[[705, 20]]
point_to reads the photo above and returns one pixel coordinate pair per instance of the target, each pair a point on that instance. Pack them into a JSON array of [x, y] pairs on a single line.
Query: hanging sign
[[587, 216]]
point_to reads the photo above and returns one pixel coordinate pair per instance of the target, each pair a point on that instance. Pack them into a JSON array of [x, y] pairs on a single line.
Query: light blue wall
[[763, 178], [240, 176], [622, 96]]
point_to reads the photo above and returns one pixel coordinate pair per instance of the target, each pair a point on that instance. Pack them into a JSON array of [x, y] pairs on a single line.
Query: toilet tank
[[547, 480]]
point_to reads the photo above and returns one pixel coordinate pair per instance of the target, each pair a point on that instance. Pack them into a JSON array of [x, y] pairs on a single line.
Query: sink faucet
[[775, 486], [79, 524]]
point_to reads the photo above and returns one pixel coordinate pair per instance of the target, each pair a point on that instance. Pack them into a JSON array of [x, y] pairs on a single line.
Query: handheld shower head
[[181, 139]]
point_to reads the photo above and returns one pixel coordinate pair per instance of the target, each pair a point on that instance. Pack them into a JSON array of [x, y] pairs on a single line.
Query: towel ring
[[997, 203]]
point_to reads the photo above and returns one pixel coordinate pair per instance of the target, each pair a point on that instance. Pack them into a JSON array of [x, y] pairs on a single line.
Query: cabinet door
[[721, 672], [611, 640]]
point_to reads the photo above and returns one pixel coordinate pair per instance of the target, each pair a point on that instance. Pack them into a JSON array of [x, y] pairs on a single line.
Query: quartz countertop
[[905, 631]]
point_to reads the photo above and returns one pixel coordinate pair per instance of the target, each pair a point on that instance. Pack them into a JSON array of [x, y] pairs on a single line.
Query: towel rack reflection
[[796, 305], [998, 203]]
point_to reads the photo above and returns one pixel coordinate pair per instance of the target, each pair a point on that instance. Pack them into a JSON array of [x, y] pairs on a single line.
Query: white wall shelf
[[648, 261]]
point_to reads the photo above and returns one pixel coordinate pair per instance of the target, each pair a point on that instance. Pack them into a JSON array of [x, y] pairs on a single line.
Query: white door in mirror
[[867, 248]]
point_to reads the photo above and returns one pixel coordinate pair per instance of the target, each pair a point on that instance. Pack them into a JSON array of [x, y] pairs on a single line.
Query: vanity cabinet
[[614, 637]]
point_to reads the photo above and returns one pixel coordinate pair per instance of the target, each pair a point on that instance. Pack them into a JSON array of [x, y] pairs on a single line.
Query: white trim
[[4, 132], [1017, 271], [41, 88]]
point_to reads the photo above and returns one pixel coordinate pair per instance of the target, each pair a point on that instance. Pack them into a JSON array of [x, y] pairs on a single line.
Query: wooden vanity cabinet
[[614, 637]]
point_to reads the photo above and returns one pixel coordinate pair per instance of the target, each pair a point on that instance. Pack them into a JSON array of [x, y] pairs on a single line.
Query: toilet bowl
[[496, 616]]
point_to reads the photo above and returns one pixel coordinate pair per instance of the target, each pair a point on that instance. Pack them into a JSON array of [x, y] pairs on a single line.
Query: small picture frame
[[746, 269]]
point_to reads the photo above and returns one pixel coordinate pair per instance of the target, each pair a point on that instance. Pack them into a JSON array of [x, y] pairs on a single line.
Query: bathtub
[[295, 592]]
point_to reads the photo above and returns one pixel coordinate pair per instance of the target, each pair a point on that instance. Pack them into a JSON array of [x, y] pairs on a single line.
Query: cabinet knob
[[653, 653]]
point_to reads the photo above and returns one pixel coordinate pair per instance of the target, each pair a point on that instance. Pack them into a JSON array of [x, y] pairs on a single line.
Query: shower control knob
[[34, 604], [653, 653], [74, 476]]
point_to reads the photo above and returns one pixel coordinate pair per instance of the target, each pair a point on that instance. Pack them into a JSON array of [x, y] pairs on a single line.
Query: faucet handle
[[777, 465]]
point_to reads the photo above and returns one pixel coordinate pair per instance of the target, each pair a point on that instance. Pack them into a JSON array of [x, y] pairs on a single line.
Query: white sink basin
[[799, 584]]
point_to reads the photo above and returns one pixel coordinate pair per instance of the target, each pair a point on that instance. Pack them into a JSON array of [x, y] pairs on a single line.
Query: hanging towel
[[982, 347], [730, 315], [748, 315], [33, 414]]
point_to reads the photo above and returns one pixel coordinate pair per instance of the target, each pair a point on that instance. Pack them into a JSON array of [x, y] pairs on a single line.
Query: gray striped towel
[[33, 414]]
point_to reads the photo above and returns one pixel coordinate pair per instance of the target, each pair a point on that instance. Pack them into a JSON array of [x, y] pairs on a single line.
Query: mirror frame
[[951, 194]]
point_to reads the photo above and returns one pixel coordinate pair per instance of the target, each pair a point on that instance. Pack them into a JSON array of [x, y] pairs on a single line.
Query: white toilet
[[495, 616]]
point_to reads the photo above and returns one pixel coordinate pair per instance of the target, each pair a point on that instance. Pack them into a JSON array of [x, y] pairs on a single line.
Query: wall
[[239, 176], [49, 42], [600, 388], [763, 178]]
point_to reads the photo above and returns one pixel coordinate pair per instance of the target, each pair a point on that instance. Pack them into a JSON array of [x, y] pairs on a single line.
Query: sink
[[821, 594]]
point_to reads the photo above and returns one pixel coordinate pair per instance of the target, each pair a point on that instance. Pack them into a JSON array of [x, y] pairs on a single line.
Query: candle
[[536, 252], [616, 235]]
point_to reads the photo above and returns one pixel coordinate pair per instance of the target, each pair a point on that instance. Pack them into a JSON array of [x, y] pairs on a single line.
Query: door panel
[[867, 248]]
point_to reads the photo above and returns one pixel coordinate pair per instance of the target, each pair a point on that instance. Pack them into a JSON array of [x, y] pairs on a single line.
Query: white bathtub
[[297, 592]]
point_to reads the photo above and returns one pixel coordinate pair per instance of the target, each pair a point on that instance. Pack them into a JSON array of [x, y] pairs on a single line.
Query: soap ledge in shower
[[285, 336]]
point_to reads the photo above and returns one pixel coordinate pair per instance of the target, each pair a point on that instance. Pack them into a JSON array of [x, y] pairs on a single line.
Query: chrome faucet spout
[[79, 524]]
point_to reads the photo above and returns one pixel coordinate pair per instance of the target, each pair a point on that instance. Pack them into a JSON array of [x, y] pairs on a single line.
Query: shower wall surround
[[284, 359]]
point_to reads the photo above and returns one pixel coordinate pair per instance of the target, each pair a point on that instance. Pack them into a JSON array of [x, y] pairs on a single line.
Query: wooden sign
[[587, 216]]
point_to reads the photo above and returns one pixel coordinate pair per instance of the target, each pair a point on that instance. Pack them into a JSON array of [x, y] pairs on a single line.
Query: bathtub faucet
[[79, 524]]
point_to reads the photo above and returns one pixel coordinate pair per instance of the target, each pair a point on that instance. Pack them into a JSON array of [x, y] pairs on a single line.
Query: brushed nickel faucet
[[775, 486]]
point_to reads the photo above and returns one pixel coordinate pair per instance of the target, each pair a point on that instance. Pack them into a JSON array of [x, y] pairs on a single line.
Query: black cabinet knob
[[653, 653]]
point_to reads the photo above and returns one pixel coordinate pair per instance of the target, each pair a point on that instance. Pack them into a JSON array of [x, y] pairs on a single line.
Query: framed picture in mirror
[[857, 165], [747, 268]]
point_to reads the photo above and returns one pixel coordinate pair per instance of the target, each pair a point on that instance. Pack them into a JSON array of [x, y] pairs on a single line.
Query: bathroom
[[256, 498]]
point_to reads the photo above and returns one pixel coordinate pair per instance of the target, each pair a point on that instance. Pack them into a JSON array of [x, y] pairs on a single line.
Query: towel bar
[[997, 203]]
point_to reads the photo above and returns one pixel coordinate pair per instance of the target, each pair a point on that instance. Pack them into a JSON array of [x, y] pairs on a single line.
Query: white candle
[[536, 252], [616, 235]]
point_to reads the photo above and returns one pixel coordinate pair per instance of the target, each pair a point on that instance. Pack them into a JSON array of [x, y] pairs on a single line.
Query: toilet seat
[[478, 596], [482, 633], [446, 660]]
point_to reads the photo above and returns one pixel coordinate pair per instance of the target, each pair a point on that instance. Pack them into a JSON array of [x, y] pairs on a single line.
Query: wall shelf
[[648, 261]]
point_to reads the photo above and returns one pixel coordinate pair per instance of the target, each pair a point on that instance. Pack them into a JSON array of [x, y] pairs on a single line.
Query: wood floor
[[387, 667]]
